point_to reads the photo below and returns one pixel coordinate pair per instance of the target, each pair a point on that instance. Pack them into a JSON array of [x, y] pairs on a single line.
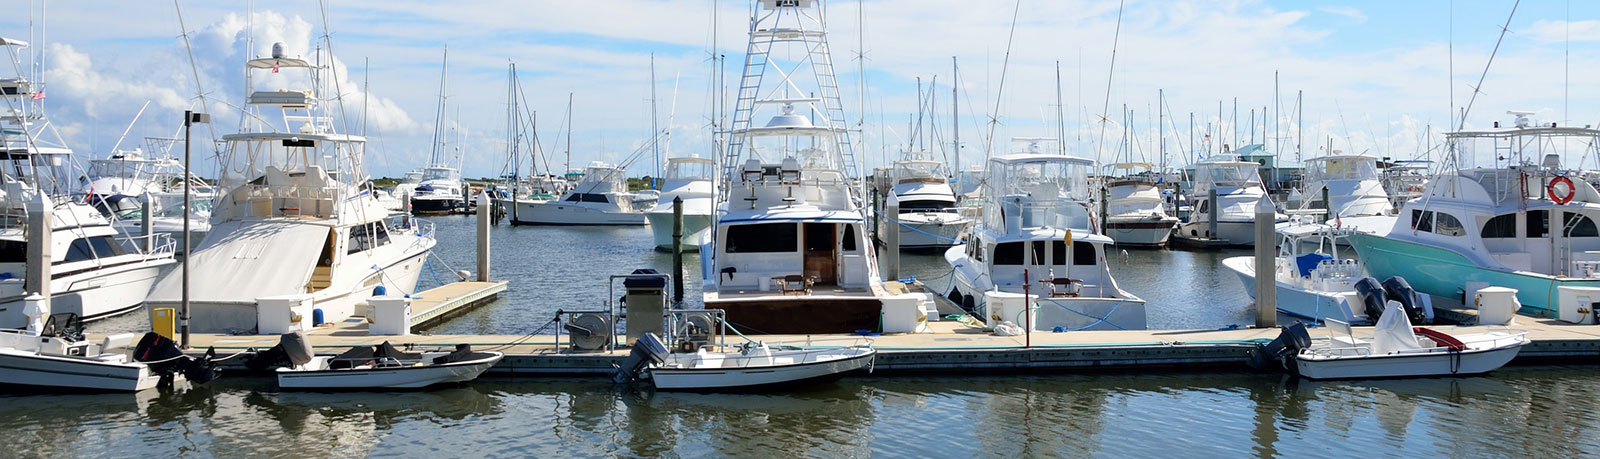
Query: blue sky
[[1375, 74]]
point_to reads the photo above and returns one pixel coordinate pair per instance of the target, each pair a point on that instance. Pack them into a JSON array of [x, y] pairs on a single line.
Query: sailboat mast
[[655, 130], [569, 134], [955, 114], [1061, 123]]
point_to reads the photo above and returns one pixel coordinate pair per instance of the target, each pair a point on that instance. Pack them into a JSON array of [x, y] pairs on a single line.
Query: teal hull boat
[[1444, 273]]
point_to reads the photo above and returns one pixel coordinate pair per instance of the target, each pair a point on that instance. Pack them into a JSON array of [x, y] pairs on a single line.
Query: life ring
[[1558, 197]]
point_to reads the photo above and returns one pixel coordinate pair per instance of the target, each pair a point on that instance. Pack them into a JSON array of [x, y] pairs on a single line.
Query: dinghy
[[370, 367], [1396, 350], [754, 365]]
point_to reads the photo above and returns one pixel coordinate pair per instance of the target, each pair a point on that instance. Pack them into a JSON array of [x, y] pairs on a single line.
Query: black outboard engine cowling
[[1399, 290], [647, 350], [1372, 297], [1277, 354], [165, 359], [292, 350]]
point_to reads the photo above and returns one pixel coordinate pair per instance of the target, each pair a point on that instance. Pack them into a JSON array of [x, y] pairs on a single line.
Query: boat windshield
[[440, 173], [918, 171], [1229, 173], [685, 169], [1345, 168]]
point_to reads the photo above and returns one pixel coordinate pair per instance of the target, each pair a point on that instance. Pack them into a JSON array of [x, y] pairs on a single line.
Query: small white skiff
[[752, 366], [371, 367], [1396, 350]]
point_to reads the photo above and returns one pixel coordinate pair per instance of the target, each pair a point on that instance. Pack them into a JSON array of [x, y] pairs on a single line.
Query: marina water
[[1538, 411]]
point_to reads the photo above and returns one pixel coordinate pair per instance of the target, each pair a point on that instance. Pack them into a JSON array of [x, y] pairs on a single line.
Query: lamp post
[[189, 119]]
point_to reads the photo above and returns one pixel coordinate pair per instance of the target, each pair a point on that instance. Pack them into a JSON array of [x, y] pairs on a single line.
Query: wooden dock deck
[[444, 302], [950, 347]]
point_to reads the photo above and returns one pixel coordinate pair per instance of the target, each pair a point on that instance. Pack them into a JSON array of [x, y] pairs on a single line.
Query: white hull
[[563, 213], [1407, 365], [31, 369], [1295, 301], [696, 230], [931, 231], [1232, 232], [404, 377], [1069, 313], [92, 295], [1139, 232], [761, 375]]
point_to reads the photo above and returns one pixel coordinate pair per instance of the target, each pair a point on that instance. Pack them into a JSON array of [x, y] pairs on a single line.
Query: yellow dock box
[[165, 322]]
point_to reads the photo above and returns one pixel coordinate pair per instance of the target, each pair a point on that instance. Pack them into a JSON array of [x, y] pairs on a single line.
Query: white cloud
[[1345, 11], [1548, 31]]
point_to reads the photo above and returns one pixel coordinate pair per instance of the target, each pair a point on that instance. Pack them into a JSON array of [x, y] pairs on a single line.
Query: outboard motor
[[165, 359], [648, 349], [1276, 354], [1400, 291], [292, 350], [1372, 297]]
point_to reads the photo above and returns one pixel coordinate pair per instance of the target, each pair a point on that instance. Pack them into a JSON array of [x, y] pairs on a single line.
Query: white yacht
[[928, 218], [1037, 229], [689, 178], [601, 198], [119, 185], [1351, 182], [1238, 187], [1512, 216], [1135, 210], [94, 271], [299, 222], [788, 250]]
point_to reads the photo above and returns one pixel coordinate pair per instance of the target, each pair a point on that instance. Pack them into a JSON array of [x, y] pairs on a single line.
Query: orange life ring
[[1558, 198]]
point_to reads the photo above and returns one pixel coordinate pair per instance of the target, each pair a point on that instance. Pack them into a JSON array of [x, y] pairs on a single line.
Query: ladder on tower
[[828, 83], [755, 67]]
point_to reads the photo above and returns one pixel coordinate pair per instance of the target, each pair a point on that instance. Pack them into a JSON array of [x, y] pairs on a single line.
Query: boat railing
[[287, 200], [162, 245]]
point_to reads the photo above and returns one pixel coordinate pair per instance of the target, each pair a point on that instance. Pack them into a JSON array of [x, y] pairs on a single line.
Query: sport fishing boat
[[688, 178], [1238, 187], [788, 250], [601, 198], [1513, 223], [300, 221], [1314, 282], [1351, 183], [94, 271], [1037, 228], [1136, 212], [928, 219]]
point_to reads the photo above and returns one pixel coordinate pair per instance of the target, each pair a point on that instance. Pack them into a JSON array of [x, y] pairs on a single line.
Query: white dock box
[[1496, 305], [903, 314], [1577, 304], [283, 314], [1002, 307], [391, 315]]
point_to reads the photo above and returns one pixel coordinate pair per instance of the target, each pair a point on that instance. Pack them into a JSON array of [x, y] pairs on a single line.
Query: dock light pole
[[189, 120], [677, 251]]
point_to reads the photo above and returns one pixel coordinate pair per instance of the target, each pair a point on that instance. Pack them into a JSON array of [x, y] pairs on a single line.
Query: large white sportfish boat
[[299, 220], [1039, 237], [788, 251], [929, 219], [1519, 220], [94, 271], [1232, 218], [689, 178]]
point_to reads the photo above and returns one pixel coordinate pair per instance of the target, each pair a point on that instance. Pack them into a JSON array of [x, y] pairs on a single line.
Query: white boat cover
[[1393, 332], [243, 261]]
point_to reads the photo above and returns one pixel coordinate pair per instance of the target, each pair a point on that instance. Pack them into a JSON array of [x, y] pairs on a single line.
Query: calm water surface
[[1526, 411]]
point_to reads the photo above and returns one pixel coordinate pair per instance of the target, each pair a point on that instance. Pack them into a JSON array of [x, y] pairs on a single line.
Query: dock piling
[[144, 224], [891, 238], [1266, 266], [677, 250], [41, 220], [483, 235], [1211, 213]]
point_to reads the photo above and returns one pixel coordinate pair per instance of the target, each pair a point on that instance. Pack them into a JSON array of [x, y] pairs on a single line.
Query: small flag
[[38, 95], [274, 66]]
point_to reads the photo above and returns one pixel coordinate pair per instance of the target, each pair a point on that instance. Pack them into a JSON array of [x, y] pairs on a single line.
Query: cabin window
[[1422, 220], [849, 242], [1578, 225], [1038, 253], [922, 206], [1083, 254], [360, 239], [1501, 226], [763, 238], [90, 248], [1538, 223], [1009, 253], [13, 252], [1205, 205], [1448, 225], [383, 234], [587, 197]]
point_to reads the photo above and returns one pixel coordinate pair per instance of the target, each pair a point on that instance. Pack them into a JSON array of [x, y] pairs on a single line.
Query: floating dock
[[444, 302], [948, 347]]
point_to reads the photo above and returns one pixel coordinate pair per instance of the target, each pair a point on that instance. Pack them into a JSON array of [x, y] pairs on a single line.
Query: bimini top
[[277, 62], [13, 42], [1337, 156], [292, 137]]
